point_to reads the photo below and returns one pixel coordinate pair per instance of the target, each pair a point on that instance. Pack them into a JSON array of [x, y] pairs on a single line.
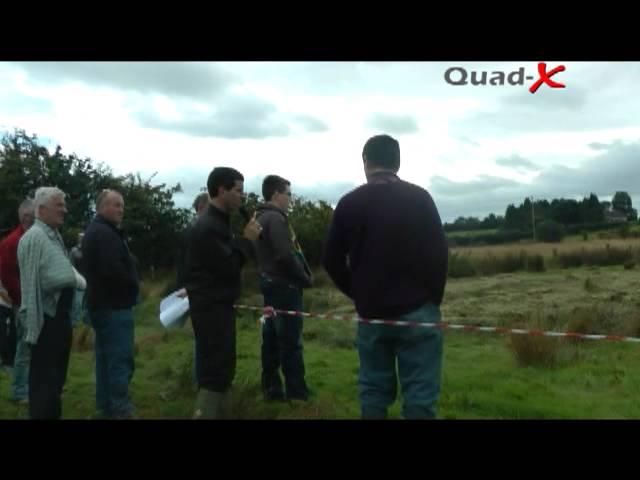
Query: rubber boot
[[208, 405]]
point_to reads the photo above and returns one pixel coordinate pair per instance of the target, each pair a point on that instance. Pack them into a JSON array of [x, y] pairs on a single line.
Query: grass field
[[547, 249], [485, 375]]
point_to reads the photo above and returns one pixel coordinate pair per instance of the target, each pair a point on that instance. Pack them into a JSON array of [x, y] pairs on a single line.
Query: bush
[[530, 351], [460, 266], [550, 231], [596, 257], [509, 263], [535, 263]]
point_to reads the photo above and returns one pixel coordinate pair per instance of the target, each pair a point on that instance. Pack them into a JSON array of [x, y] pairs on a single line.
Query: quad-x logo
[[460, 76]]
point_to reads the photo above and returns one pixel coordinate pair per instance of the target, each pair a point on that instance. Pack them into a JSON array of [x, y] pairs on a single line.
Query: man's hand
[[253, 229], [5, 298], [182, 293]]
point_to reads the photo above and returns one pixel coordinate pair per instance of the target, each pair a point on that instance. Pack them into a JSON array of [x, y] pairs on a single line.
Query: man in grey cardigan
[[48, 281], [284, 272]]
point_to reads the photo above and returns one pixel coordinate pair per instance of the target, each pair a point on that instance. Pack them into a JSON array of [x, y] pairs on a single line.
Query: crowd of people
[[385, 250]]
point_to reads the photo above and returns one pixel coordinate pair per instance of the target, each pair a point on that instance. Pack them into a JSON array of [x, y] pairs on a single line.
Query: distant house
[[611, 215]]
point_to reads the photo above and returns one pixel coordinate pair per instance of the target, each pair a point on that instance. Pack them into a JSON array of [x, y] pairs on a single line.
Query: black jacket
[[181, 257], [112, 278], [214, 261], [386, 248]]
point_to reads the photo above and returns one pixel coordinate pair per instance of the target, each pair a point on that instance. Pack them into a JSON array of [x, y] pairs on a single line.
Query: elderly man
[[15, 352], [48, 281], [112, 292]]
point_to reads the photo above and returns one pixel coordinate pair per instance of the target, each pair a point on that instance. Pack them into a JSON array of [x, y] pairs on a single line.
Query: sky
[[475, 148]]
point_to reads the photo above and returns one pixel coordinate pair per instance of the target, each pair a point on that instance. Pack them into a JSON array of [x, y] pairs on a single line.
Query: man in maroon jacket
[[14, 352]]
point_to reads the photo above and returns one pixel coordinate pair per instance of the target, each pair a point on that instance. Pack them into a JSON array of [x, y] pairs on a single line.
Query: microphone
[[245, 213]]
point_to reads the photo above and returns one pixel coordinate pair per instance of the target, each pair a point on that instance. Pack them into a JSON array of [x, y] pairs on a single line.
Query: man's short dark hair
[[273, 184], [200, 200], [224, 177], [382, 151]]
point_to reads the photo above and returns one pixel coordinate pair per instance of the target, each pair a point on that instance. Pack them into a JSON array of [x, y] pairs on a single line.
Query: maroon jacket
[[9, 271]]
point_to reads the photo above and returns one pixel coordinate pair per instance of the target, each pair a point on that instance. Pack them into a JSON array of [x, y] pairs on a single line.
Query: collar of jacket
[[52, 233], [216, 212], [383, 176], [114, 227], [271, 208]]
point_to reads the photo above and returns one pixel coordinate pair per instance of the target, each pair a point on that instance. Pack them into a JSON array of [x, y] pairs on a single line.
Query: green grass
[[482, 377]]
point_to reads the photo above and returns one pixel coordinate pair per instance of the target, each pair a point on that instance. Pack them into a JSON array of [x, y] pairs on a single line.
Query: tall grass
[[468, 264]]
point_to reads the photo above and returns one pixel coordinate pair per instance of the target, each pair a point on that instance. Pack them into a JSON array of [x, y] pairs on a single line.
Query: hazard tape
[[269, 311]]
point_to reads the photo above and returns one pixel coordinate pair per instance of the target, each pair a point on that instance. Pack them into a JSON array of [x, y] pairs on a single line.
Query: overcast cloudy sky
[[475, 148]]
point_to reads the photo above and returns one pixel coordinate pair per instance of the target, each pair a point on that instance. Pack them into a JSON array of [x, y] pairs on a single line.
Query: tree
[[622, 201], [151, 219], [550, 231], [592, 209]]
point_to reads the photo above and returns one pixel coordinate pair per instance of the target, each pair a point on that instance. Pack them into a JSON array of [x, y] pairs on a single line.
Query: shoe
[[274, 395], [211, 405], [302, 396], [272, 388]]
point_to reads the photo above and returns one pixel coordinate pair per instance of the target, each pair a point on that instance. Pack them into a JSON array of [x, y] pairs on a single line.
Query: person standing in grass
[[48, 282], [200, 205], [215, 259], [386, 249], [112, 292], [284, 272], [15, 352]]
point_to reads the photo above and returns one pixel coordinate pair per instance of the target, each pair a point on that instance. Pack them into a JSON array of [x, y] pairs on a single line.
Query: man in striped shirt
[[48, 281]]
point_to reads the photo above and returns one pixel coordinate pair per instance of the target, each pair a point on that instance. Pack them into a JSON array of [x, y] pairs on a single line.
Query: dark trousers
[[7, 336], [50, 361], [282, 341], [214, 327]]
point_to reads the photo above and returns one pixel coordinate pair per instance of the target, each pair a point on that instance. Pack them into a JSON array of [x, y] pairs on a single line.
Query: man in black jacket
[[112, 291], [386, 249], [200, 205], [213, 271], [284, 272]]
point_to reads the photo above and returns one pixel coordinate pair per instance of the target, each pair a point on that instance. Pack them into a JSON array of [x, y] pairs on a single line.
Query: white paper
[[173, 310]]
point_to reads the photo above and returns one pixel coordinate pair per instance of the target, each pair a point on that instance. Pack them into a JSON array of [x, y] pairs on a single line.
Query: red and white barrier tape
[[269, 311]]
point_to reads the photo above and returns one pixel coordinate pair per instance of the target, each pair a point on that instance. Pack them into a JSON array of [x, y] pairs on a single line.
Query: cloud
[[182, 79], [518, 163], [310, 124], [393, 124], [445, 187], [233, 118], [19, 104], [616, 168], [468, 141]]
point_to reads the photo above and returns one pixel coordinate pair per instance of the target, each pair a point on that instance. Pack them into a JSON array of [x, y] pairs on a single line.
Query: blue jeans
[[418, 352], [114, 349], [20, 377], [282, 341]]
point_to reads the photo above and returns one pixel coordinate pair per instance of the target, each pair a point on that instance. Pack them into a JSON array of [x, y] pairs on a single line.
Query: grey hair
[[102, 196], [44, 195], [25, 206]]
